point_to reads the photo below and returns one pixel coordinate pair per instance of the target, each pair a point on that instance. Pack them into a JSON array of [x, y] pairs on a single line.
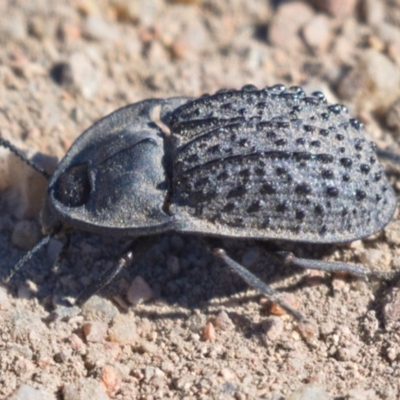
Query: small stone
[[62, 74], [308, 330], [25, 234], [123, 330], [99, 309], [337, 8], [136, 11], [377, 259], [59, 357], [14, 26], [83, 389], [317, 33], [273, 327], [25, 392], [223, 322], [362, 394], [209, 332], [227, 374], [286, 25], [139, 291], [77, 343], [110, 379], [86, 71], [309, 392], [372, 84], [391, 307], [373, 12], [195, 323], [95, 331], [96, 28]]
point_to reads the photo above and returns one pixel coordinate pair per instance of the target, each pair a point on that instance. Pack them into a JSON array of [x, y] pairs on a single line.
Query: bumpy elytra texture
[[274, 163], [270, 164]]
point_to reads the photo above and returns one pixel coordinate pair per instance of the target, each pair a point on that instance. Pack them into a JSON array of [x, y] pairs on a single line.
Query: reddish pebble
[[110, 380], [209, 332], [308, 330]]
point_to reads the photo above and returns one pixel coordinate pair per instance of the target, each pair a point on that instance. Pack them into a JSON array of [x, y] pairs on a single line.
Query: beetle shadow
[[180, 270]]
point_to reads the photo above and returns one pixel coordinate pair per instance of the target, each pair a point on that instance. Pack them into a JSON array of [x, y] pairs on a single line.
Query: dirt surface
[[178, 324]]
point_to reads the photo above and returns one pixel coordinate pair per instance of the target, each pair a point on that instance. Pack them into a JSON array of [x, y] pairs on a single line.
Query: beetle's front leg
[[137, 249]]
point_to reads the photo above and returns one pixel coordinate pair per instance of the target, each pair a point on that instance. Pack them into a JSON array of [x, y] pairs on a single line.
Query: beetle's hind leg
[[291, 259], [336, 266], [259, 285]]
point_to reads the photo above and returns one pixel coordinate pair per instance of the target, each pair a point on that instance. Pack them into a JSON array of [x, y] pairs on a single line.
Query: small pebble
[[317, 33], [123, 330], [308, 330], [391, 307], [99, 309], [84, 389], [372, 83], [196, 322], [27, 392], [223, 322], [95, 331], [139, 291], [337, 8], [209, 332], [87, 72], [77, 343], [96, 28], [110, 379], [284, 30], [362, 394], [309, 392], [273, 327], [392, 231]]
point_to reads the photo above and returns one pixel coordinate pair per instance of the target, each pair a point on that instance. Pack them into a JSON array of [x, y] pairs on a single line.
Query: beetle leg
[[137, 249], [258, 284], [336, 266], [105, 279], [26, 258]]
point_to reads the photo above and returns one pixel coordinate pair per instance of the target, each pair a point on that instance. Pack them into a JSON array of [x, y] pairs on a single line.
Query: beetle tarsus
[[337, 266]]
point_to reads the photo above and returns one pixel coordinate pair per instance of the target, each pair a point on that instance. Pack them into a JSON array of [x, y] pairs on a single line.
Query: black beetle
[[265, 164]]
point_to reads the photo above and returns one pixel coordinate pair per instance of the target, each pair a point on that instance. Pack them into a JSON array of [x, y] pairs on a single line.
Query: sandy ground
[[64, 65]]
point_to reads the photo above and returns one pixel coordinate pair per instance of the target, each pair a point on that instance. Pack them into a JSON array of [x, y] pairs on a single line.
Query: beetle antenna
[[8, 145], [26, 258]]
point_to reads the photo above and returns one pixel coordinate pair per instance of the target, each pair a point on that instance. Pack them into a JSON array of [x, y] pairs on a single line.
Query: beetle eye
[[73, 186]]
